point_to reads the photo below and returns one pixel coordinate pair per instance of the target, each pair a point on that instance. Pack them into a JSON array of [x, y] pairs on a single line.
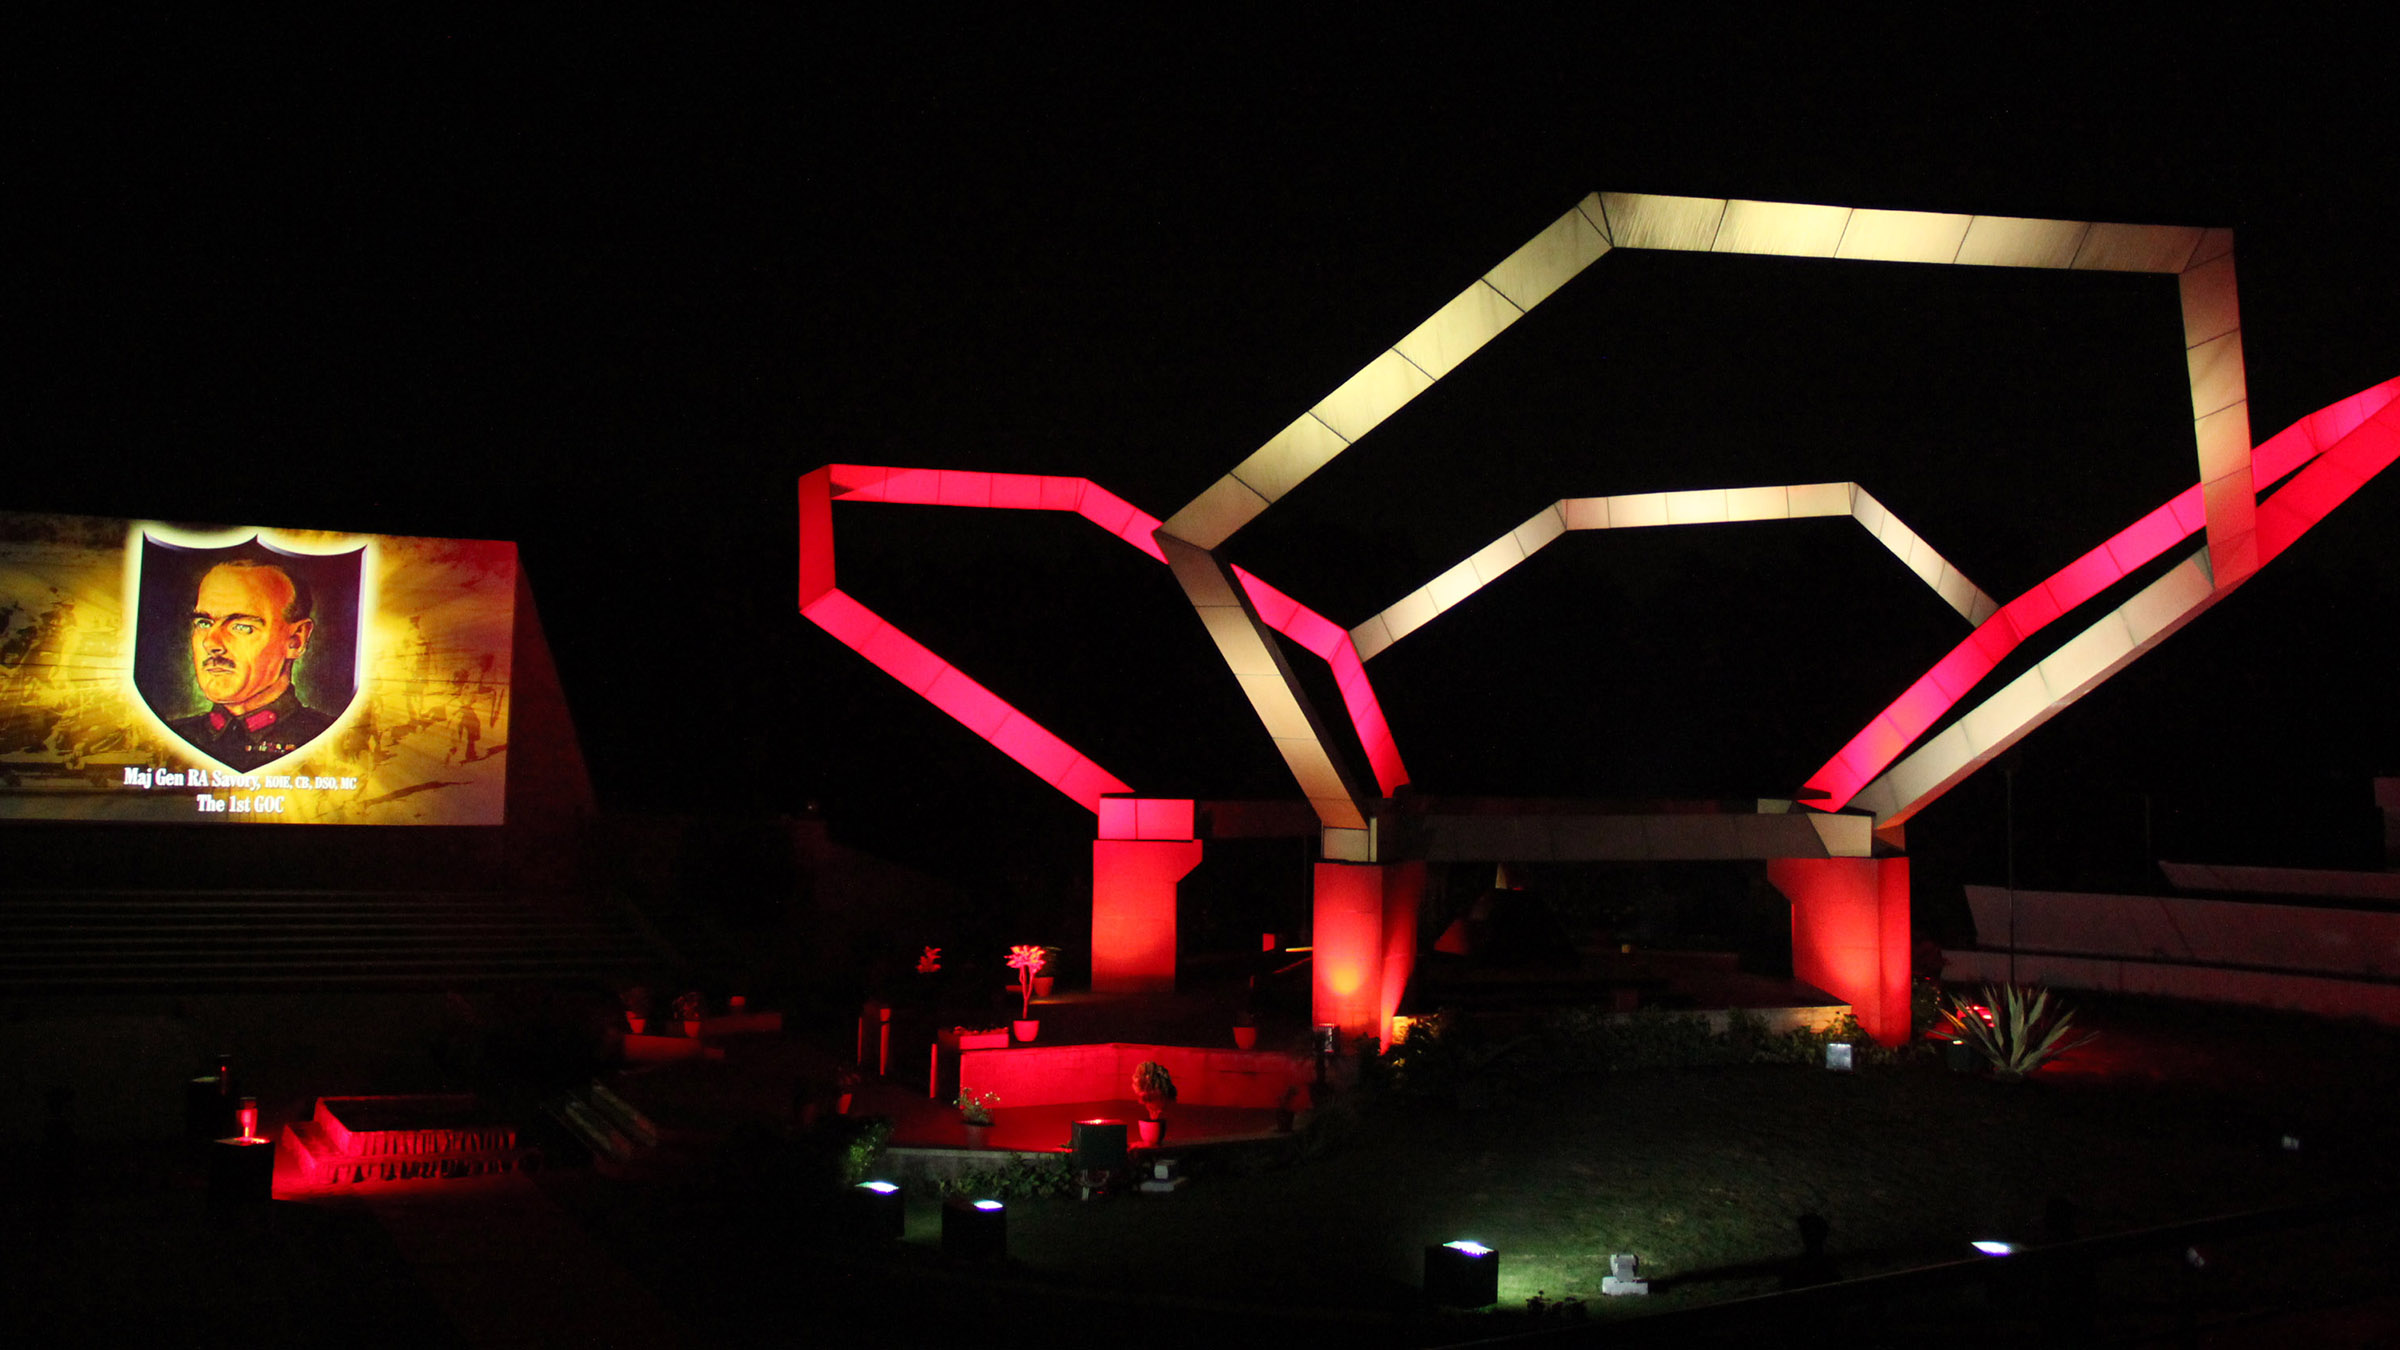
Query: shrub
[[864, 1148], [2016, 1030], [1025, 1176], [1335, 1119], [1595, 1038], [1442, 1055]]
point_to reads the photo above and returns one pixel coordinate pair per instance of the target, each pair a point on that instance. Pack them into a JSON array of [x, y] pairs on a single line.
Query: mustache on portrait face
[[217, 663]]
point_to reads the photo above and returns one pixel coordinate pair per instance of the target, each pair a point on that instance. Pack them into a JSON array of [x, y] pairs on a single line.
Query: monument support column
[[1850, 935], [1366, 944]]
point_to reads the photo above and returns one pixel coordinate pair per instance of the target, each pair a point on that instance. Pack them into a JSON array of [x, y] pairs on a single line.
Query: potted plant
[[636, 999], [975, 1112], [1154, 1088], [845, 1086], [1245, 1017], [690, 1007], [1027, 962], [1046, 978]]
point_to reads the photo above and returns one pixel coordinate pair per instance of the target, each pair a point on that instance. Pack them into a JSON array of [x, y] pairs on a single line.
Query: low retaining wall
[[2323, 995], [2304, 935], [1043, 1075], [2302, 953]]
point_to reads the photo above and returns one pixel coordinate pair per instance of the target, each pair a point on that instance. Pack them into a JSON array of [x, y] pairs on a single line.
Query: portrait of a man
[[247, 653], [250, 626]]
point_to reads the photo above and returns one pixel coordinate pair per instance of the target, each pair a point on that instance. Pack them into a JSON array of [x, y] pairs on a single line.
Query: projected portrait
[[247, 653]]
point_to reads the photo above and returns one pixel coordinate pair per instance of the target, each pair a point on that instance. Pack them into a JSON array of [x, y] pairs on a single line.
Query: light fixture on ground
[[1995, 1247], [1462, 1274], [1624, 1276], [1096, 1150], [241, 1174], [1096, 1145], [974, 1230], [1838, 1056], [879, 1210], [1166, 1177]]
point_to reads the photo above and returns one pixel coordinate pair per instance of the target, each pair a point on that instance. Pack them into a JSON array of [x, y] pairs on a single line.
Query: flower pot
[[1245, 1038], [691, 1027], [636, 1024], [977, 1135], [1150, 1132], [1043, 984], [841, 1105], [1026, 1027]]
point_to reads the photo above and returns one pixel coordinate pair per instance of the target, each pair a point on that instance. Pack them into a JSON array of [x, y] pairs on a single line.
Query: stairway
[[611, 1129], [401, 1138], [193, 941]]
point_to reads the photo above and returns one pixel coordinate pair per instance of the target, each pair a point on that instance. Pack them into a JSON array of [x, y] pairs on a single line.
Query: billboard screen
[[170, 673]]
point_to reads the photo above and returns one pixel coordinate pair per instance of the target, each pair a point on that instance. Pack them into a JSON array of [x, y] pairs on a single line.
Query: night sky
[[606, 292]]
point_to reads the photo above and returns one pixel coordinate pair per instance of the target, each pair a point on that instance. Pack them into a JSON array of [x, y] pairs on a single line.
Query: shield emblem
[[247, 652]]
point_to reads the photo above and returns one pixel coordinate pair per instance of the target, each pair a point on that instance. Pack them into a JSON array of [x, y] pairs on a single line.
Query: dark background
[[606, 287]]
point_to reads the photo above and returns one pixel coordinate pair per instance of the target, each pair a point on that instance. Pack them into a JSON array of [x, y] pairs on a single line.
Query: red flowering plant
[[1028, 962], [931, 962]]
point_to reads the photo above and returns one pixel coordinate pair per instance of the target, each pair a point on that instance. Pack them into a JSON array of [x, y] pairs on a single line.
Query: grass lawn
[[2176, 1114], [1703, 1173]]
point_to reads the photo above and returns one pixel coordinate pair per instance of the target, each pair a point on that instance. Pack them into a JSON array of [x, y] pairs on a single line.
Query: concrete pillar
[[1850, 934]]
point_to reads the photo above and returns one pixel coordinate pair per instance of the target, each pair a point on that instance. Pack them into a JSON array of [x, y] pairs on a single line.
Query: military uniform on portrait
[[243, 741]]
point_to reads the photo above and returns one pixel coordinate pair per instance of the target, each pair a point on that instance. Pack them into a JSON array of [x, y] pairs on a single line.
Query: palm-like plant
[[1028, 962], [2016, 1030]]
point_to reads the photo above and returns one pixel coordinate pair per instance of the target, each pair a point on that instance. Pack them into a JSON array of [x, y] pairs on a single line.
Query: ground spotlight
[[1462, 1274], [1838, 1056], [974, 1230], [881, 1210]]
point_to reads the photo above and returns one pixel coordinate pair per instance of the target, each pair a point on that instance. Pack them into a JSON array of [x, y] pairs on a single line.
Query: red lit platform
[[400, 1138]]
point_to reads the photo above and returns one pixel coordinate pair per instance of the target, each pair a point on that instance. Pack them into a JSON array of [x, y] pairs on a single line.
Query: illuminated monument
[[1839, 857]]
